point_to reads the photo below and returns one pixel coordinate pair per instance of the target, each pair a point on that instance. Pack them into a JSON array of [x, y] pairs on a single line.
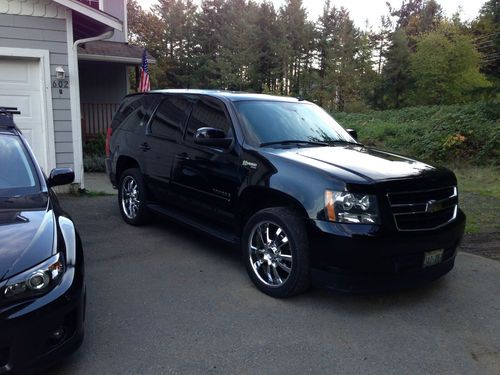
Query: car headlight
[[37, 280], [346, 207]]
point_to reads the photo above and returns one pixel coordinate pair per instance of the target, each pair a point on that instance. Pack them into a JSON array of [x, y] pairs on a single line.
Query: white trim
[[74, 89], [92, 13], [101, 5], [46, 95], [74, 81], [125, 20]]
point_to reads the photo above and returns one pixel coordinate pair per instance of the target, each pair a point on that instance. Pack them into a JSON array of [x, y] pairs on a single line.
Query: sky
[[372, 10]]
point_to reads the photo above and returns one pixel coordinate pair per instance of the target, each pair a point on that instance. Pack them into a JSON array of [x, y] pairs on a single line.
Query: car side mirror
[[61, 176], [353, 133], [212, 137]]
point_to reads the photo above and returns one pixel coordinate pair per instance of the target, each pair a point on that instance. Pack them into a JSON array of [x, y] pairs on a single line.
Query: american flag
[[144, 84]]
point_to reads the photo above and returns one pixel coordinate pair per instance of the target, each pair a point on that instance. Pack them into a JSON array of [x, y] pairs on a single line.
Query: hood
[[369, 164], [26, 239]]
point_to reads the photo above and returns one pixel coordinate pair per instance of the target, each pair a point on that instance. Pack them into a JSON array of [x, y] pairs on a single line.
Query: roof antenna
[[301, 97]]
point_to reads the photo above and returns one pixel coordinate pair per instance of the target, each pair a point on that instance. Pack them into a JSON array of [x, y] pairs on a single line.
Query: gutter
[[116, 59]]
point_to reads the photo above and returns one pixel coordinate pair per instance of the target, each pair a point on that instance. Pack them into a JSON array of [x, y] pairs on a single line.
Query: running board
[[179, 216]]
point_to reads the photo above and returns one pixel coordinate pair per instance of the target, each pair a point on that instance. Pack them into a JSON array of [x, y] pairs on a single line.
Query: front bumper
[[352, 257], [27, 341]]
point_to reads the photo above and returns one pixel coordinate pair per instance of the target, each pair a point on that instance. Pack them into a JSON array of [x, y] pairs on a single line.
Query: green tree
[[396, 80], [343, 60], [143, 29], [445, 67], [238, 60], [209, 23], [176, 30], [295, 47], [486, 31], [268, 74]]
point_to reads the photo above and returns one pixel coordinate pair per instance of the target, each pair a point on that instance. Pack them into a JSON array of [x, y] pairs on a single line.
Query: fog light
[[57, 336]]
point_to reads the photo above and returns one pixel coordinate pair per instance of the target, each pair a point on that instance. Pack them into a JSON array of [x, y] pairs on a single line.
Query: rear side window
[[208, 113], [133, 112], [127, 107], [168, 121]]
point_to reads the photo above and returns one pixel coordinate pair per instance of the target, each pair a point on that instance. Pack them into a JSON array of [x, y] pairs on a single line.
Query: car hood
[[366, 163], [27, 238]]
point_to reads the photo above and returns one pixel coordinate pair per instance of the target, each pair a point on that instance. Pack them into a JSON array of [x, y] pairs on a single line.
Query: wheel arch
[[123, 163], [256, 198]]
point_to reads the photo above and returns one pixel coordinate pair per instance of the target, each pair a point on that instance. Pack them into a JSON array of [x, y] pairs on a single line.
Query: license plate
[[433, 257]]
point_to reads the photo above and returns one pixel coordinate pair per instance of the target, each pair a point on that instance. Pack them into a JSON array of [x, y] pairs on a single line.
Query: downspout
[[76, 113]]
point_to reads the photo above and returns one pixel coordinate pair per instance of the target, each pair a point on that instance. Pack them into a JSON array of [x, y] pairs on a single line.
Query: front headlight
[[346, 207], [37, 280]]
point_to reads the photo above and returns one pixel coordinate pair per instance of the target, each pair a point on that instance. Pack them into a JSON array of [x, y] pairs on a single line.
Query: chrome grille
[[424, 209]]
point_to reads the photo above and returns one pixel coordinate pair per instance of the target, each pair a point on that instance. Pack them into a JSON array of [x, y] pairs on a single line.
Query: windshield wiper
[[341, 141], [288, 142]]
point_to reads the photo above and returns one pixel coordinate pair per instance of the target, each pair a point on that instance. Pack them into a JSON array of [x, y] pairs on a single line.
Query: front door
[[206, 179]]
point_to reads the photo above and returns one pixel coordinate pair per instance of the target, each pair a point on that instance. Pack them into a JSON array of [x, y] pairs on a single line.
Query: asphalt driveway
[[163, 299]]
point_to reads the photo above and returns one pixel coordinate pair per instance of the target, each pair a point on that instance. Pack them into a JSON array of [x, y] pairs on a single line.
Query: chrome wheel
[[130, 197], [270, 254]]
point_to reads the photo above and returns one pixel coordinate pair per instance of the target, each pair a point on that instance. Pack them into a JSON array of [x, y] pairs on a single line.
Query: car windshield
[[17, 175], [274, 122]]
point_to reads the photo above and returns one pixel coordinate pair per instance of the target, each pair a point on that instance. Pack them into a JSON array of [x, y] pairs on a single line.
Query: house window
[[92, 3]]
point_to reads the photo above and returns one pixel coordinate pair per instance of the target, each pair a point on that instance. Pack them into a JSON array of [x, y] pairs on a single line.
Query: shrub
[[94, 153], [457, 134]]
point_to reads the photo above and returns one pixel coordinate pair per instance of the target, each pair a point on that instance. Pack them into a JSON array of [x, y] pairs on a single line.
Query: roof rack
[[6, 116]]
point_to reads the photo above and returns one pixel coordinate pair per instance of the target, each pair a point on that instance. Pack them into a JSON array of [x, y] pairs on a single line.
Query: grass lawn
[[479, 193]]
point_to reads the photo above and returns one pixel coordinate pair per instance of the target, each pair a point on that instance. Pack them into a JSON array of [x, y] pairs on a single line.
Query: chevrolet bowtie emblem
[[433, 206]]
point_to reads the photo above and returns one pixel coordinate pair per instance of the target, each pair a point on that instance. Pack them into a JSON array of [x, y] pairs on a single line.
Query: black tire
[[141, 214], [292, 226]]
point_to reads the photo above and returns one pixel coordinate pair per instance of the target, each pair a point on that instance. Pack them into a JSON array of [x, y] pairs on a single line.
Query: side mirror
[[212, 137], [60, 176], [353, 133]]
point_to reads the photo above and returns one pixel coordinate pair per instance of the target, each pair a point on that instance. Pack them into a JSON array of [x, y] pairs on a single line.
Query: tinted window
[[17, 174], [273, 121], [127, 107], [208, 113], [169, 118], [133, 112]]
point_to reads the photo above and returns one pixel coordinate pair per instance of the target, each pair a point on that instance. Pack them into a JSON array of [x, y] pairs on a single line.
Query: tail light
[[108, 139]]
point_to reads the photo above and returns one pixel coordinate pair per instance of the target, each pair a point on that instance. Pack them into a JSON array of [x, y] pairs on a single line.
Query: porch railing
[[96, 118]]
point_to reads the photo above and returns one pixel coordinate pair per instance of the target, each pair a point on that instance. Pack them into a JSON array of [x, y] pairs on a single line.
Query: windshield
[[17, 176], [267, 122]]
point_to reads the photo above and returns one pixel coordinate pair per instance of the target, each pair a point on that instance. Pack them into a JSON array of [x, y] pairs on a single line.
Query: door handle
[[182, 157], [145, 146]]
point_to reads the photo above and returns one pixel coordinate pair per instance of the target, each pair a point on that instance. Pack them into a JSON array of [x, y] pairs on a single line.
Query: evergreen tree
[[396, 72], [486, 31]]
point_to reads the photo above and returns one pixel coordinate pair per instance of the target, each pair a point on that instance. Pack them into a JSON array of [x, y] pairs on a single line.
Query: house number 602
[[60, 84]]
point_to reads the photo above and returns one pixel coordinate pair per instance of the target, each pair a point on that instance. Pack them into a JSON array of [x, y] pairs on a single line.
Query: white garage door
[[20, 87]]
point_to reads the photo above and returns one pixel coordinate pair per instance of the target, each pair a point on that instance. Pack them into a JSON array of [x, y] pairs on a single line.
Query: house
[[64, 64]]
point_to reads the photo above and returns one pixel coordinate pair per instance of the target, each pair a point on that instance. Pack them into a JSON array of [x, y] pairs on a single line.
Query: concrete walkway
[[99, 183]]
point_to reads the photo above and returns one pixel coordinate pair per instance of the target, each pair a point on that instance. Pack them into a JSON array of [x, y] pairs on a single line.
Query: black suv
[[280, 177]]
